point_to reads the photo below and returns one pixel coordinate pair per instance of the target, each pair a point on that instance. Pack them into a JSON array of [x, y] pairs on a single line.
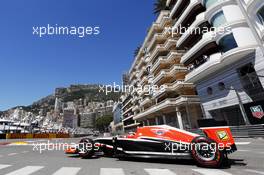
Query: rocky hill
[[89, 92]]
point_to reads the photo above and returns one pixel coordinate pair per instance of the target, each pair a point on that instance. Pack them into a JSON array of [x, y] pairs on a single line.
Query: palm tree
[[159, 5], [136, 51]]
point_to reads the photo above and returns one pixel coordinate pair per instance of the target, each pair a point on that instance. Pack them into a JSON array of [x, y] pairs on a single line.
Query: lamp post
[[241, 106]]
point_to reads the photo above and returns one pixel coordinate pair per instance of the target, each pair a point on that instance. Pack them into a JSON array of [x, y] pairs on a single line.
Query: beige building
[[160, 94]]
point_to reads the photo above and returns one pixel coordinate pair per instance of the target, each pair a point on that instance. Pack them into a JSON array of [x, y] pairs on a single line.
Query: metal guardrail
[[248, 130]]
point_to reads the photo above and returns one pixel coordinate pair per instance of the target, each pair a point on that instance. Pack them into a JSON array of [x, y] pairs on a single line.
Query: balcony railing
[[202, 68], [187, 11], [198, 21], [206, 39]]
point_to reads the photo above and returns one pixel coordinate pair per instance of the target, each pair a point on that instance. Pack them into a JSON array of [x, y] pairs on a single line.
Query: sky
[[31, 67]]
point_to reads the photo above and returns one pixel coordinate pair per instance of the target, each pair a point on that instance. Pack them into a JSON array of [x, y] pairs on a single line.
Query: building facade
[[226, 62], [70, 118], [157, 92], [117, 125]]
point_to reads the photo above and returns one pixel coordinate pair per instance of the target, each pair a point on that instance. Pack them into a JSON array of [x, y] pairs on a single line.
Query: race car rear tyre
[[206, 153], [86, 147]]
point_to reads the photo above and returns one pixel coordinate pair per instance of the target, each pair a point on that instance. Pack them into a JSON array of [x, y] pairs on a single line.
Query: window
[[221, 86], [260, 15], [210, 91], [227, 43], [218, 19], [209, 3]]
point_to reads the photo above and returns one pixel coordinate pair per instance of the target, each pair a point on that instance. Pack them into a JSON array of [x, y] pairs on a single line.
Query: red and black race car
[[208, 149]]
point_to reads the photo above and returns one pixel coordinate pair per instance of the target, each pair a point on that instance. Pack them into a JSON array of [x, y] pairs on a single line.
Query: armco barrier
[[35, 136]]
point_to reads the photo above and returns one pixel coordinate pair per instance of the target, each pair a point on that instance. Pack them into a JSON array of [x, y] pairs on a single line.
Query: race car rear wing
[[221, 135]]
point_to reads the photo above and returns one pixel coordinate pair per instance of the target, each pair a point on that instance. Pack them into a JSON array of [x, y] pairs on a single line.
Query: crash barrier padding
[[16, 136], [30, 136], [62, 135], [2, 136], [52, 136], [40, 136], [36, 136]]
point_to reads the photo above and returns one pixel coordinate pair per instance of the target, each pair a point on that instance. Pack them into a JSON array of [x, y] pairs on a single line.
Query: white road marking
[[159, 172], [243, 150], [112, 171], [254, 171], [12, 154], [67, 171], [2, 166], [25, 152], [26, 170], [242, 143], [211, 171]]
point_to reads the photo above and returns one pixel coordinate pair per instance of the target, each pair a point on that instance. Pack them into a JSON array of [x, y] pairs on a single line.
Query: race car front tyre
[[86, 147], [206, 153]]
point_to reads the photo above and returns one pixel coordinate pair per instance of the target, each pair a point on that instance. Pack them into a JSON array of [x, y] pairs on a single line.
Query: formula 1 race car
[[208, 149]]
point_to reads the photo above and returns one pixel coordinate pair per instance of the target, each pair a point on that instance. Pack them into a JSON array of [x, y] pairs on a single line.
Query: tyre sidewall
[[216, 162]]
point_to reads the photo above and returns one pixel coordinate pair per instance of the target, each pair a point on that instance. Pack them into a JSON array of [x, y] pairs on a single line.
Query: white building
[[227, 64]]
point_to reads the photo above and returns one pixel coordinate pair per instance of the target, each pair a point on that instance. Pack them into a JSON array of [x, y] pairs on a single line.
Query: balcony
[[178, 8], [135, 108], [169, 73], [159, 51], [128, 102], [194, 8], [145, 101], [127, 118], [144, 80], [157, 39], [163, 19], [162, 49], [128, 110], [142, 72], [200, 19], [162, 61], [167, 105], [134, 125], [218, 61], [206, 44], [172, 87], [202, 68]]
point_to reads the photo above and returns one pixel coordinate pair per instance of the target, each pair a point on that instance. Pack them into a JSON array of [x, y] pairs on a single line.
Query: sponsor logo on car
[[222, 135]]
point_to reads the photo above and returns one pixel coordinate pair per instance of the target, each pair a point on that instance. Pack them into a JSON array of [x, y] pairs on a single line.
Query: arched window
[[210, 91], [221, 86], [227, 43], [218, 19]]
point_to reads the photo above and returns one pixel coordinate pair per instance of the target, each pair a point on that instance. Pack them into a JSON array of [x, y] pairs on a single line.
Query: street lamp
[[241, 106]]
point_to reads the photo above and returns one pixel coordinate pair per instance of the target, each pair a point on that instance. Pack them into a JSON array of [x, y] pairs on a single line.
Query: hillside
[[89, 92]]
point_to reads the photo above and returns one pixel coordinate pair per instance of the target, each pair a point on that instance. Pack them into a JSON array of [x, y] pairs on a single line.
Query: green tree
[[136, 51], [159, 5], [103, 122]]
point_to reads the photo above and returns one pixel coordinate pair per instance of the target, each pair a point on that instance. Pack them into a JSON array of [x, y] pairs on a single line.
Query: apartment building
[[226, 62], [157, 64]]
